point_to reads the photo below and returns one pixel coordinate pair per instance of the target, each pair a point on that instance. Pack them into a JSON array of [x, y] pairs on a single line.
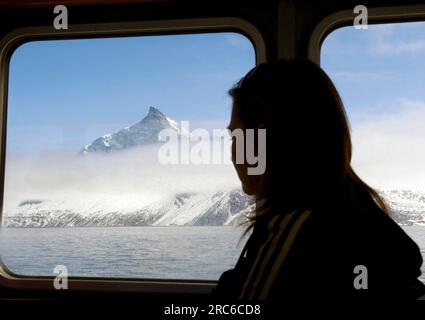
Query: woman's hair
[[308, 137]]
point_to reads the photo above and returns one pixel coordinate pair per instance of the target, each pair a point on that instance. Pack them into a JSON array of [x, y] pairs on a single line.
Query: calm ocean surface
[[132, 252]]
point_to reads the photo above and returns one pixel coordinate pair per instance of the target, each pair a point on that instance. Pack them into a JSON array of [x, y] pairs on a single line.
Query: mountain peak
[[155, 112], [154, 118], [144, 132]]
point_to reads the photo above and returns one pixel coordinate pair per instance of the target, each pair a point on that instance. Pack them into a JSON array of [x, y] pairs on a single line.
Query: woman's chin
[[247, 190]]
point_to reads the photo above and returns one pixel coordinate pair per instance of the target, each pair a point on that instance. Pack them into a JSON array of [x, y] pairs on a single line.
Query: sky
[[63, 94], [379, 75]]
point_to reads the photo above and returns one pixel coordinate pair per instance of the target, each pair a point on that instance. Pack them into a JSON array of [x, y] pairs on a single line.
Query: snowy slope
[[144, 132], [207, 208], [407, 206], [214, 208]]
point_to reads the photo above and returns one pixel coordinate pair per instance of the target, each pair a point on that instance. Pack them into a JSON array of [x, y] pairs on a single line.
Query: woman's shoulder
[[334, 242], [361, 225], [301, 252], [355, 235]]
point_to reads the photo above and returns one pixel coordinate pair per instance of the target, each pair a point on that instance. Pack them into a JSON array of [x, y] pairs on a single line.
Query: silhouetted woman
[[319, 231]]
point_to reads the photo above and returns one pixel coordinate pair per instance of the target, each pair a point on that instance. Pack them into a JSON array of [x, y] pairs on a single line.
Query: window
[[93, 180], [379, 73]]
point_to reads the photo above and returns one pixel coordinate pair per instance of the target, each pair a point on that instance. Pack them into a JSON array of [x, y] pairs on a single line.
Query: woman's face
[[253, 185]]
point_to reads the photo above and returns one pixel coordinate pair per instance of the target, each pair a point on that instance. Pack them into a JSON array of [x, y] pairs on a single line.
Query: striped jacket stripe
[[283, 254], [268, 262], [265, 260], [270, 227]]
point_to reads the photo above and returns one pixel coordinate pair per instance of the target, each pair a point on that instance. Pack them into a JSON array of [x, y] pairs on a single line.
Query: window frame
[[11, 41], [343, 18]]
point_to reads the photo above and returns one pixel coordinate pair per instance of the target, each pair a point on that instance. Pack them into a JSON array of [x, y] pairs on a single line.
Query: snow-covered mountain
[[214, 208], [407, 207], [144, 132], [198, 209]]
